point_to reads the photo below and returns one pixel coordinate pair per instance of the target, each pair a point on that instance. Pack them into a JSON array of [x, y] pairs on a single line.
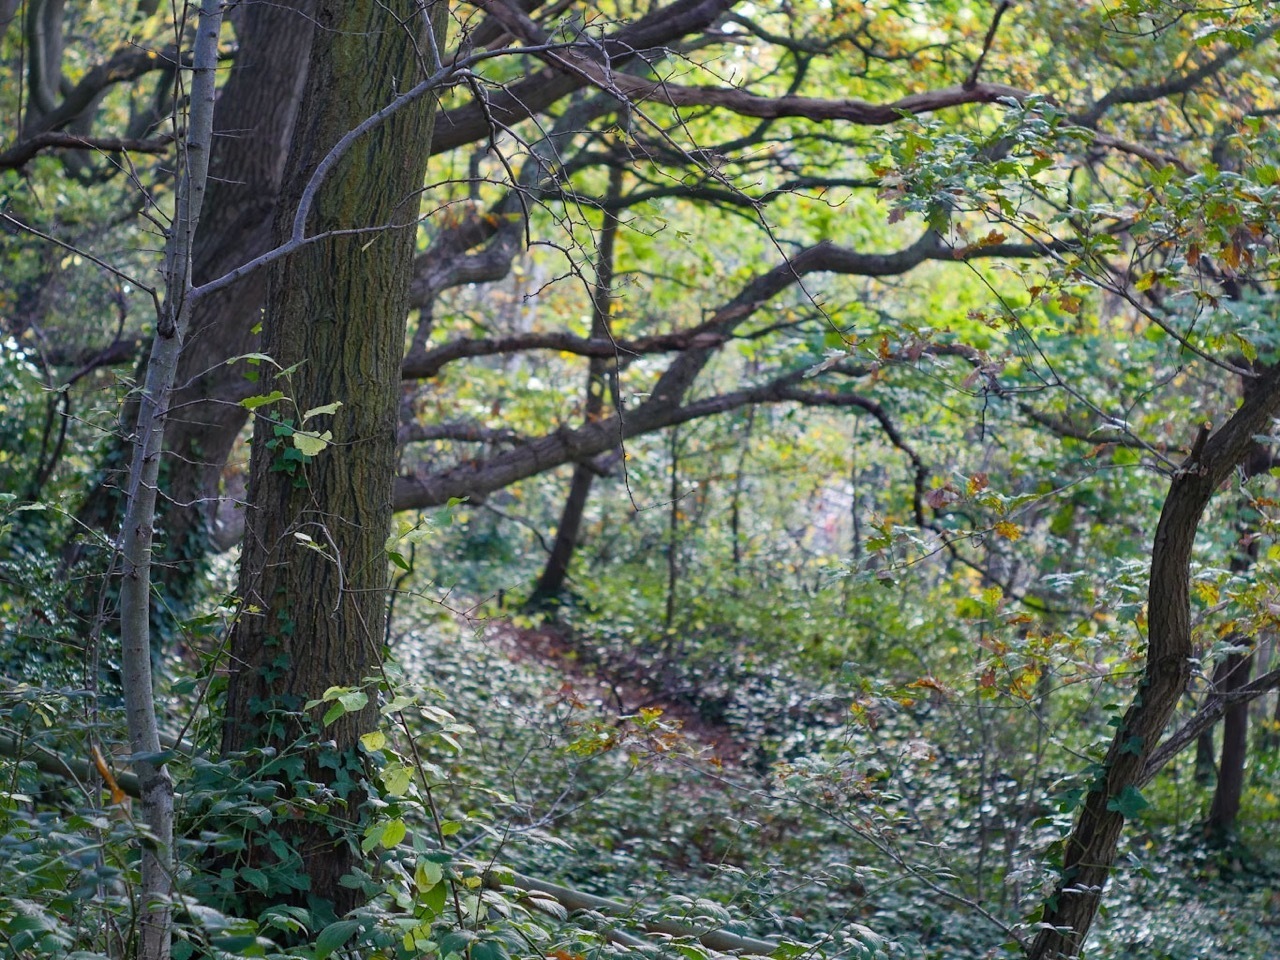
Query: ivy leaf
[[1129, 804]]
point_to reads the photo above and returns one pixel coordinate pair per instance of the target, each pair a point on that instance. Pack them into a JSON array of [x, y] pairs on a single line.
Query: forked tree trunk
[[313, 575]]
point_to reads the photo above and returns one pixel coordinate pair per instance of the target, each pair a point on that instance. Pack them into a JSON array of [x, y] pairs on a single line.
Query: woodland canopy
[[504, 478]]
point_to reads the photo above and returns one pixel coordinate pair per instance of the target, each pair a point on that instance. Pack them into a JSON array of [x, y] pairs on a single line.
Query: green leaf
[[318, 411], [399, 560], [253, 403], [489, 950], [332, 714], [372, 837], [1133, 745], [393, 833], [252, 358], [333, 936], [353, 701], [398, 703], [311, 443], [789, 951], [374, 741], [256, 877], [455, 941], [1129, 804], [396, 778], [427, 874]]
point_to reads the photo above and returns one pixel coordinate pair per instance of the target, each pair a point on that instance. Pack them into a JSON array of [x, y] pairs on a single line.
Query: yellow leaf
[[1008, 530], [311, 443]]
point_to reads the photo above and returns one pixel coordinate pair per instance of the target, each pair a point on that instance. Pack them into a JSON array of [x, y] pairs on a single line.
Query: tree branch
[[1215, 706], [22, 152], [576, 59]]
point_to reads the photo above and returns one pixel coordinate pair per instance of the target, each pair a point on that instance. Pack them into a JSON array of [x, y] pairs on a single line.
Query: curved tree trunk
[[1090, 849], [313, 575]]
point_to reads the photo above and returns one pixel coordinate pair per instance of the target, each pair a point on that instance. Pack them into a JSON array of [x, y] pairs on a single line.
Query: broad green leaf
[[333, 936], [318, 411], [396, 778], [253, 403], [427, 874], [393, 833], [353, 701], [311, 443]]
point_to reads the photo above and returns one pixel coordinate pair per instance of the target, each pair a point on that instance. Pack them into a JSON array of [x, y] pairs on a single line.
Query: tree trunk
[[1206, 771], [1090, 849], [602, 373], [253, 119], [156, 860], [313, 575], [1233, 673]]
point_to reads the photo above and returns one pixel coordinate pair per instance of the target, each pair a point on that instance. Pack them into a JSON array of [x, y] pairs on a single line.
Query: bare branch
[[21, 153], [640, 90], [1210, 713]]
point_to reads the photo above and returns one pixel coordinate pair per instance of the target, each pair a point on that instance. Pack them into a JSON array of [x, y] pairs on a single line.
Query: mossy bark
[[313, 575]]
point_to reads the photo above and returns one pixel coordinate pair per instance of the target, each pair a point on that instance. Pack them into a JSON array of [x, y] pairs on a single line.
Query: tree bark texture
[[313, 575], [1090, 849], [1224, 809]]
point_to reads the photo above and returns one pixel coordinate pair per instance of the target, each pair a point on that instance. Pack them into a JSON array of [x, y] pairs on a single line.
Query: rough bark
[[254, 120], [1090, 849], [314, 573]]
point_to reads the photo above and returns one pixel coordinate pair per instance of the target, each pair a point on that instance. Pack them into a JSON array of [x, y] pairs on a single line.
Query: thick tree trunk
[[313, 575], [256, 113]]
